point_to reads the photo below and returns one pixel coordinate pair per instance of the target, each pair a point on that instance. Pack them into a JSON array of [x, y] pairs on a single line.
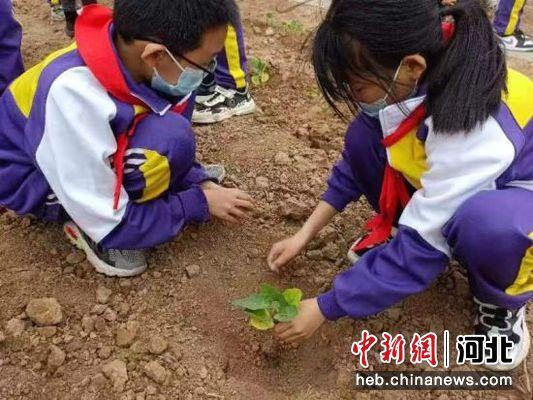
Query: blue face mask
[[189, 80], [373, 109]]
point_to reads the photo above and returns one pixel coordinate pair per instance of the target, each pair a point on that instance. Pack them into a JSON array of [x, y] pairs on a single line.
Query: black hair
[[465, 77], [177, 24]]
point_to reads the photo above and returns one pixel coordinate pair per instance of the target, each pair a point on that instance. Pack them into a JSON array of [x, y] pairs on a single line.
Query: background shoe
[[56, 13], [121, 263], [221, 105], [206, 89], [216, 172], [519, 41], [492, 320]]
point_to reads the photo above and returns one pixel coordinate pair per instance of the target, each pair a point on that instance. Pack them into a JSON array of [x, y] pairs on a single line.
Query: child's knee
[[170, 135], [159, 154], [482, 225]]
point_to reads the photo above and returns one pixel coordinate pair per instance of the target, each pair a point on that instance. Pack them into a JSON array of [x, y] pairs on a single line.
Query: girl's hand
[[303, 326], [284, 251], [228, 204]]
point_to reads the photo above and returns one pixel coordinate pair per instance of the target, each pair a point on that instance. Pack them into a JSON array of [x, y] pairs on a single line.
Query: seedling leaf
[[286, 314], [261, 320], [270, 305], [253, 302], [293, 296]]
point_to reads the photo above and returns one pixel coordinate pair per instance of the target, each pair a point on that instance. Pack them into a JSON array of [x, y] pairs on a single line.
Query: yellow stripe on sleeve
[[23, 88]]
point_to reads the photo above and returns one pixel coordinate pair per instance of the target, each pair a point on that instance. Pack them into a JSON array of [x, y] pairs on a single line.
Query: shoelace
[[520, 33], [493, 316]]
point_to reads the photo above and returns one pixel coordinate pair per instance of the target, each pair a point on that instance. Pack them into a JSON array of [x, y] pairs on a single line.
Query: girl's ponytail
[[466, 79]]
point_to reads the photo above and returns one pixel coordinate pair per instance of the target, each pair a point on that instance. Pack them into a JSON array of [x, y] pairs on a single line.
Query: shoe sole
[[75, 237], [354, 257], [528, 50], [521, 357], [249, 108]]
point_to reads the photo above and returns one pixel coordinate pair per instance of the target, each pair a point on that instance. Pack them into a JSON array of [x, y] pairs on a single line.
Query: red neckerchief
[[96, 50], [394, 194]]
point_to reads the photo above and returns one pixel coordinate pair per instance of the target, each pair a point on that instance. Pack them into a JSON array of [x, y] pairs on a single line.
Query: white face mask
[[373, 109]]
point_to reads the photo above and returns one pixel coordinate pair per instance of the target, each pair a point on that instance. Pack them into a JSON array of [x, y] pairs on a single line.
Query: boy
[[98, 133], [10, 37], [225, 93], [507, 25]]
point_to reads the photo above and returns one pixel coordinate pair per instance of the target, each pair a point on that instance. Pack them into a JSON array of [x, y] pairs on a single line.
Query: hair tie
[[448, 28]]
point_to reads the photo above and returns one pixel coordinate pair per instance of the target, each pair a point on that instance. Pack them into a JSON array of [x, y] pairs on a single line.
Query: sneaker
[[221, 105], [217, 172], [56, 13], [519, 41], [354, 255], [206, 89], [121, 263], [496, 321]]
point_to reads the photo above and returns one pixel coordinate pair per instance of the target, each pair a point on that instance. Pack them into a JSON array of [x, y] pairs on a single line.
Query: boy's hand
[[303, 326], [228, 204], [284, 251]]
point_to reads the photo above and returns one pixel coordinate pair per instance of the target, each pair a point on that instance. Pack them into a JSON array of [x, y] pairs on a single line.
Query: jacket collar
[[392, 116], [94, 34]]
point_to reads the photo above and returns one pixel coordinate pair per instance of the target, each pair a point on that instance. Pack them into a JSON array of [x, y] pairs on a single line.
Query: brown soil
[[212, 352]]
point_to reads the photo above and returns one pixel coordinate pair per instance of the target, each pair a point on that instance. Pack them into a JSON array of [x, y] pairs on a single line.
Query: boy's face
[[155, 55]]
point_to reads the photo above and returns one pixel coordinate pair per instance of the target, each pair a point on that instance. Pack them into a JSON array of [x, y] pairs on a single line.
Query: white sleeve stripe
[[521, 184], [75, 149]]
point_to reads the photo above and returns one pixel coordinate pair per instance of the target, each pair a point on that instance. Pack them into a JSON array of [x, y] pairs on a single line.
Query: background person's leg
[[10, 37], [491, 235], [507, 25], [231, 69], [225, 93]]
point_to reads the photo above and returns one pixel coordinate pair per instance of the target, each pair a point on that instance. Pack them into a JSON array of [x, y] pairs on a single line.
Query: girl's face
[[408, 74]]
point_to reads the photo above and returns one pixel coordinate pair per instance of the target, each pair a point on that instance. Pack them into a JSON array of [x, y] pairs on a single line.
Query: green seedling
[[270, 305], [293, 26], [260, 74]]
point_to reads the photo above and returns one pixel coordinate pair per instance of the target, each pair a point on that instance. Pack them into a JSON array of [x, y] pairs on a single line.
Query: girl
[[442, 149]]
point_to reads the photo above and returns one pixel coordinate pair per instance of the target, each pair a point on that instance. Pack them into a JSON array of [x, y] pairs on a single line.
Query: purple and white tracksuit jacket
[[58, 133], [472, 200]]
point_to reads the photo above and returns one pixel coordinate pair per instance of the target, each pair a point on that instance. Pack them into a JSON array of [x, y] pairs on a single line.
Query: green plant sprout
[[294, 26], [260, 74], [270, 305]]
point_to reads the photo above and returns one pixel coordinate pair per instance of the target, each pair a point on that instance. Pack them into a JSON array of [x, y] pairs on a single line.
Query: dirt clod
[[105, 352], [156, 372], [44, 311], [103, 294], [126, 335], [282, 158], [117, 373], [192, 270], [15, 327], [158, 345], [56, 358]]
